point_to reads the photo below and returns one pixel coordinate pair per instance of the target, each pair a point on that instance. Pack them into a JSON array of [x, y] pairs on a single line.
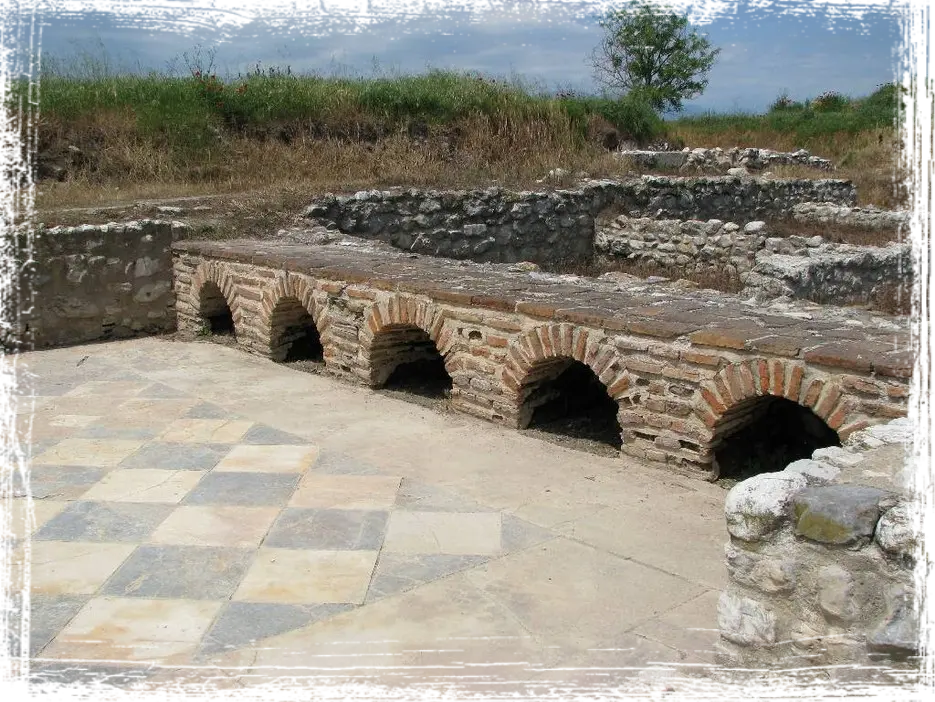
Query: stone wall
[[692, 246], [98, 282], [718, 160], [495, 225], [870, 218], [821, 559], [687, 371], [805, 268]]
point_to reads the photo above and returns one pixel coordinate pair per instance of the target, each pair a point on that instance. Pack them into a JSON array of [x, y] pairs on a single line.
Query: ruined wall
[[821, 559], [858, 217], [718, 160], [500, 226], [100, 282], [805, 268]]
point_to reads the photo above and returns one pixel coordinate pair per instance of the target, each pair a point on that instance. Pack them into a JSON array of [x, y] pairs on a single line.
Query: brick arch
[[273, 296], [399, 316], [543, 353], [738, 386], [217, 274]]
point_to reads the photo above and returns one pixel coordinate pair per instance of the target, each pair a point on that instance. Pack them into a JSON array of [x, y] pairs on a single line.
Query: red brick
[[720, 338], [897, 391], [536, 309], [488, 302], [776, 345], [896, 364], [723, 390], [705, 414], [360, 293], [812, 393], [827, 403], [838, 415], [510, 381], [603, 360], [582, 315], [845, 432], [533, 345], [734, 382], [543, 334], [795, 383], [777, 374], [643, 367], [860, 385], [619, 386], [883, 409], [746, 377], [568, 336], [762, 374], [376, 322], [496, 341], [452, 297], [849, 355], [713, 400], [702, 359], [658, 328], [555, 338], [443, 340], [581, 344]]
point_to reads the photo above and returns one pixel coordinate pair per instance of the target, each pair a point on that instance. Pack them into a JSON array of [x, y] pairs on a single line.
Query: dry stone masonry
[[687, 370], [100, 282], [495, 225], [807, 268], [821, 559], [871, 218], [718, 160]]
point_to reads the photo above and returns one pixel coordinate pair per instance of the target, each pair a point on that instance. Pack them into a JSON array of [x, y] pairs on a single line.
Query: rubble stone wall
[[821, 559], [870, 218], [495, 225], [98, 282], [807, 268]]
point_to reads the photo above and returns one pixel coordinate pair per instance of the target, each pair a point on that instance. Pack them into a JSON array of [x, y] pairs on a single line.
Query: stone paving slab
[[836, 337], [449, 541]]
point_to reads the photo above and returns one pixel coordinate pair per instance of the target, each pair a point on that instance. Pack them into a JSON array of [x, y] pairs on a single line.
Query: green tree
[[652, 52]]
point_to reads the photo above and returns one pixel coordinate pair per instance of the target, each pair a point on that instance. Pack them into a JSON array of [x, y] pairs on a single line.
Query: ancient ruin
[[491, 295]]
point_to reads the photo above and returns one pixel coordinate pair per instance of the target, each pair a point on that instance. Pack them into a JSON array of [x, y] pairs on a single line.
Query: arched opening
[[765, 434], [293, 334], [214, 310], [565, 399], [404, 359]]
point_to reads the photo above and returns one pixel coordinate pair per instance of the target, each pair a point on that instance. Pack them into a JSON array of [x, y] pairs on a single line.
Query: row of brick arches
[[749, 417]]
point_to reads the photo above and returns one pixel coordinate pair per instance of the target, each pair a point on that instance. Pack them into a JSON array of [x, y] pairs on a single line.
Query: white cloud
[[904, 12]]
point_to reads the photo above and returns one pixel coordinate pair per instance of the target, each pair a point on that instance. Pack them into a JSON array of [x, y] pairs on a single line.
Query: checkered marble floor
[[168, 530]]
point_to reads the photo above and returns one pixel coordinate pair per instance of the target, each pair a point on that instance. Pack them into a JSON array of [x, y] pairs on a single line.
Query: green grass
[[828, 114], [188, 110]]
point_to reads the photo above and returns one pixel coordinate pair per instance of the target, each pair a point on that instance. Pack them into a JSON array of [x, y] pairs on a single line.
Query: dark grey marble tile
[[48, 615], [247, 489], [124, 522], [180, 572], [62, 482], [177, 456], [243, 623], [328, 529]]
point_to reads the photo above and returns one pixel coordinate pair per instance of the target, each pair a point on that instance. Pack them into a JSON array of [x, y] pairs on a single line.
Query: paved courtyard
[[199, 511]]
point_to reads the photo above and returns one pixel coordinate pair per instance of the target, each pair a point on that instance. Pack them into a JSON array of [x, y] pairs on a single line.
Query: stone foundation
[[821, 559], [687, 373], [557, 227], [795, 267], [719, 161], [94, 283], [870, 218]]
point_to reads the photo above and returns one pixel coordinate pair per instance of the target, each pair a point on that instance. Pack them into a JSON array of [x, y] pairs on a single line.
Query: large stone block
[[838, 514], [757, 506]]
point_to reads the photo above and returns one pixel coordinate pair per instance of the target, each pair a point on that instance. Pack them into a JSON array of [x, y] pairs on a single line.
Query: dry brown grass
[[473, 154], [834, 233]]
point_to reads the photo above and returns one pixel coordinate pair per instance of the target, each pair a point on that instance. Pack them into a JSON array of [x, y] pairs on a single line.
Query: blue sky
[[763, 53]]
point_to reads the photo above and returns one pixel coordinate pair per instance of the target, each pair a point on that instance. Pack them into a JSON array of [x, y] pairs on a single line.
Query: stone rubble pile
[[821, 557]]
